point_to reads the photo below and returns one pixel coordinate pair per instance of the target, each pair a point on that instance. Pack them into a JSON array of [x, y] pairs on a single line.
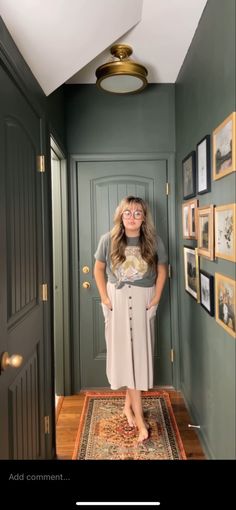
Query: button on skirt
[[130, 337]]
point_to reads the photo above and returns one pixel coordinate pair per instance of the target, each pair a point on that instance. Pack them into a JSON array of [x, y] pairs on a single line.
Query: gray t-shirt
[[134, 270]]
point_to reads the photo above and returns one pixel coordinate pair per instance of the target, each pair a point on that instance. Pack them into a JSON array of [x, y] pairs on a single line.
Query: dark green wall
[[205, 95], [98, 122], [56, 116]]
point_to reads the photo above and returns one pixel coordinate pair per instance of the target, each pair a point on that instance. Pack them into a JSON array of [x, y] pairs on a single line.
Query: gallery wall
[[205, 97]]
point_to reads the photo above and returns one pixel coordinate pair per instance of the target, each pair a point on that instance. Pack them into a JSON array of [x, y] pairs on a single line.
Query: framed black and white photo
[[189, 175], [191, 272], [207, 292], [203, 165], [189, 218]]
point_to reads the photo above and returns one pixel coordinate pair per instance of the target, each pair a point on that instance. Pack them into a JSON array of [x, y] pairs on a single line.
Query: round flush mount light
[[122, 76]]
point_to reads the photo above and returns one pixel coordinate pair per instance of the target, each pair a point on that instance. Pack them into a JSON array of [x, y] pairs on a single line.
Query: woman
[[130, 273]]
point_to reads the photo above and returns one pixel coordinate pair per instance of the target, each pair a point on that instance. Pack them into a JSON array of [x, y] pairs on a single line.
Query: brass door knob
[[15, 360], [86, 285], [85, 269]]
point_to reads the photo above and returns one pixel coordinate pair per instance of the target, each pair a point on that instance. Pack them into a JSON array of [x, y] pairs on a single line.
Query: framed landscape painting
[[223, 147], [225, 303], [225, 232], [205, 235], [191, 272]]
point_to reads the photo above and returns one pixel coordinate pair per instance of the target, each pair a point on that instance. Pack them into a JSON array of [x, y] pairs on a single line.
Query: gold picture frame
[[189, 219], [205, 235], [223, 147], [225, 303], [225, 232]]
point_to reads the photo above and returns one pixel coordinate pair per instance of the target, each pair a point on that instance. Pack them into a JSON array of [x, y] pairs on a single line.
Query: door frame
[[62, 345], [74, 251]]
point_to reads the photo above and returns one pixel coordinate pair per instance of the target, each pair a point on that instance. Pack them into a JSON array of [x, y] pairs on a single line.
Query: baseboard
[[195, 419]]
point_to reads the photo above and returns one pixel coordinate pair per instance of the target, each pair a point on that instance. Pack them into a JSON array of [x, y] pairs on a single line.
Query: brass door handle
[[86, 285], [15, 360], [85, 269]]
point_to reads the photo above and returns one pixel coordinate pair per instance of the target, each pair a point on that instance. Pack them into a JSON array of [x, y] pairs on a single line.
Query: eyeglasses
[[137, 214]]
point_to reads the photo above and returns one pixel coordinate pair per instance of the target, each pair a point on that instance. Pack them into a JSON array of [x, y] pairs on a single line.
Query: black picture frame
[[191, 272], [203, 159], [206, 282], [189, 175]]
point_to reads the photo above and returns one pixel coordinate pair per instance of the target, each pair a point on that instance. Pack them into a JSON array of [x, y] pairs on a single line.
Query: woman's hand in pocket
[[153, 302], [106, 301]]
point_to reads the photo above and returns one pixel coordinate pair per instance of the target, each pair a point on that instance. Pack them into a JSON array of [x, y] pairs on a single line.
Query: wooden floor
[[68, 415]]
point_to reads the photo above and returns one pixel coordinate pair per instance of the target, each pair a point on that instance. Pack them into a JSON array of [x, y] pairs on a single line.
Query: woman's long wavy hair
[[147, 234]]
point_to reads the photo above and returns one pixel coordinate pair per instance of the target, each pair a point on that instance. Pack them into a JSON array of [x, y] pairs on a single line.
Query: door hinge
[[44, 292], [41, 163], [46, 425], [169, 271], [167, 188], [172, 355]]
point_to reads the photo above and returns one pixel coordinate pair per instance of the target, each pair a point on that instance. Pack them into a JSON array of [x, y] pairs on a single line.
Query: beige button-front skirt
[[129, 334]]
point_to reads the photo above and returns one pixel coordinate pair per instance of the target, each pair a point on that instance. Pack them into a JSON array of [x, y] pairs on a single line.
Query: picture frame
[[225, 232], [189, 219], [206, 282], [223, 147], [203, 157], [189, 175], [191, 272], [225, 303], [205, 235], [185, 220]]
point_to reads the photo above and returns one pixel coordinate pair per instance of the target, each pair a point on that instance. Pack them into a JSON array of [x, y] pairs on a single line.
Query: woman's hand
[[153, 302], [106, 301]]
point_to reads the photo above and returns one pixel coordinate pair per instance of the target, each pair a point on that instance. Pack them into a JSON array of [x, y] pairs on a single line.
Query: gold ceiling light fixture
[[121, 76]]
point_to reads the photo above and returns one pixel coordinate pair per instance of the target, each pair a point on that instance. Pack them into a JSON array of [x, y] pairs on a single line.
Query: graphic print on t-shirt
[[134, 267]]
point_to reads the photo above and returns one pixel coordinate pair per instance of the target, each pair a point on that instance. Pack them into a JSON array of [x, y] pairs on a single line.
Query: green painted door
[[101, 185], [22, 390]]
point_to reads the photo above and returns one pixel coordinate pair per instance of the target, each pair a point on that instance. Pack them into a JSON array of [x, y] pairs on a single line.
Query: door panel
[[101, 186], [21, 310]]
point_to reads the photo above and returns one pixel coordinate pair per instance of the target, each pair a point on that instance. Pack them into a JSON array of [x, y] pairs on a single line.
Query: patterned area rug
[[104, 433]]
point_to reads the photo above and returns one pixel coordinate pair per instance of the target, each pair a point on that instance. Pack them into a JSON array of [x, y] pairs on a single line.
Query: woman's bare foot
[[130, 416], [143, 434]]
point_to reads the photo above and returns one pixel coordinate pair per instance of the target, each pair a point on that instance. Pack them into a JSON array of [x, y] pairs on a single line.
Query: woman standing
[[130, 273]]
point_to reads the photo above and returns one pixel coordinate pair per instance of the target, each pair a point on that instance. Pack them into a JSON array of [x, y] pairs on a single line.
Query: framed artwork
[[191, 272], [205, 235], [207, 291], [225, 232], [189, 219], [223, 147], [185, 220], [225, 302], [189, 175], [204, 165]]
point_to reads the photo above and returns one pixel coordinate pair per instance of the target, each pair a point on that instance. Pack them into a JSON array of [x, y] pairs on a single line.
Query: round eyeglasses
[[137, 215]]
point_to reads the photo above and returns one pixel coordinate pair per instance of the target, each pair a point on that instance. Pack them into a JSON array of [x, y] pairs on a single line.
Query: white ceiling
[[64, 41]]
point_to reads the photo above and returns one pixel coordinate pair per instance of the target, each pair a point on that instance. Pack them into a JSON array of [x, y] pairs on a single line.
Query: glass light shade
[[122, 84]]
